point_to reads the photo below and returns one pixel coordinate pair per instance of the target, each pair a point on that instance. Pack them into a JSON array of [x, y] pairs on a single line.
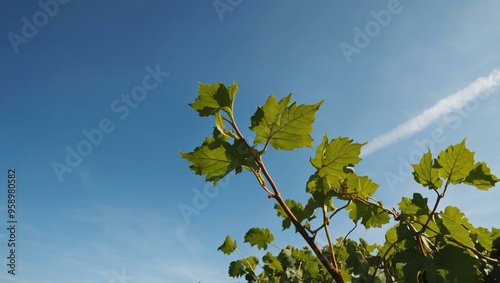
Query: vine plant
[[424, 245]]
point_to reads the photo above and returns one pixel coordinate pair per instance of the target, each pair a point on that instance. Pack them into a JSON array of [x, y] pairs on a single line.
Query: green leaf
[[214, 97], [483, 238], [236, 268], [456, 162], [251, 262], [228, 246], [425, 173], [272, 264], [317, 161], [417, 209], [454, 264], [280, 212], [370, 215], [408, 264], [282, 125], [362, 186], [356, 260], [259, 237], [398, 238], [480, 177], [214, 158], [244, 157], [221, 128], [331, 158], [457, 224], [244, 266], [321, 192], [301, 213], [286, 256], [495, 236], [415, 206]]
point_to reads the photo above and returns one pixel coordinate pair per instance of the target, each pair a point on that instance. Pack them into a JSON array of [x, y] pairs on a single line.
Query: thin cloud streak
[[444, 106]]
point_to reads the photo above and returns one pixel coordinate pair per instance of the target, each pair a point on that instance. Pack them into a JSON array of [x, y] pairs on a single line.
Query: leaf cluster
[[424, 243]]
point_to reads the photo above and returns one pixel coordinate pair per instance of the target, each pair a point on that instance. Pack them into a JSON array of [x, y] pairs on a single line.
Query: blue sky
[[115, 217]]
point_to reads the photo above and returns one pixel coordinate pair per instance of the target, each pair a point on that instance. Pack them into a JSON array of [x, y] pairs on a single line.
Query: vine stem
[[332, 270], [330, 217], [326, 220]]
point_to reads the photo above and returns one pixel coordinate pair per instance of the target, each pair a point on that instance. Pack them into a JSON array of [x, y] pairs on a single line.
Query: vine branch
[[332, 270]]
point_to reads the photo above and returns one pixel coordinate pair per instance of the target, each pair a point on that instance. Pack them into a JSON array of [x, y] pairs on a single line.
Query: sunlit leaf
[[242, 267], [370, 215], [236, 268], [259, 237], [272, 264], [221, 127], [425, 173], [480, 177], [331, 158], [482, 236], [284, 126], [215, 159], [214, 97], [362, 186], [456, 162], [415, 206], [457, 224], [228, 246]]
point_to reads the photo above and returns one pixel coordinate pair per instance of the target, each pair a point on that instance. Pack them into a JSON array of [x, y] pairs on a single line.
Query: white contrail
[[444, 106]]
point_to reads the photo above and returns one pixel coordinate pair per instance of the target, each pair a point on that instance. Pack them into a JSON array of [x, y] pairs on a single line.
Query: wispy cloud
[[444, 106]]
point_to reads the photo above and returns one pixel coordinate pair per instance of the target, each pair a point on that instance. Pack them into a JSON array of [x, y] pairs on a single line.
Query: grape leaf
[[480, 177], [221, 127], [370, 215], [408, 264], [356, 260], [273, 265], [214, 97], [456, 162], [228, 246], [415, 206], [482, 236], [214, 158], [240, 267], [321, 192], [425, 173], [363, 186], [417, 209], [332, 157], [395, 240], [301, 213], [236, 268], [284, 127], [317, 161], [457, 224], [454, 264], [259, 237], [495, 236], [251, 262]]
